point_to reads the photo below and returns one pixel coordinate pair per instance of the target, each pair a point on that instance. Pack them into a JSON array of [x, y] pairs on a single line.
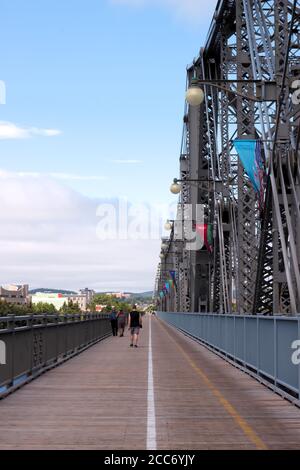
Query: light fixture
[[175, 187], [194, 95], [168, 226]]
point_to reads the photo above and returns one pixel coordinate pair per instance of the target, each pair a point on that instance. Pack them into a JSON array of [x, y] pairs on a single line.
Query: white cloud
[[48, 238], [9, 130], [44, 132], [69, 176], [59, 176], [193, 10]]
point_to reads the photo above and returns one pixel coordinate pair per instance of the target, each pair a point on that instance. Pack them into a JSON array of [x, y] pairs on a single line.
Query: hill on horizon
[[141, 294], [46, 290], [52, 291]]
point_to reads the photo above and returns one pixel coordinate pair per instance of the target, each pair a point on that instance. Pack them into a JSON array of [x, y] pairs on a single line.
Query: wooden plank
[[98, 400], [190, 417]]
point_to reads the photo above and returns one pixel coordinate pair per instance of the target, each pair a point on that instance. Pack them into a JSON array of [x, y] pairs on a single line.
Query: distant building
[[58, 300], [89, 295], [83, 299], [15, 294], [99, 308], [119, 295]]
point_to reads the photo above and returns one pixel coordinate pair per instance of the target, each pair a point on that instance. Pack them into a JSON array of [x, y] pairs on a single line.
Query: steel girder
[[278, 281], [254, 266]]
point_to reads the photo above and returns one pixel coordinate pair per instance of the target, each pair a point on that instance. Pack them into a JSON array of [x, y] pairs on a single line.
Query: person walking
[[121, 322], [134, 325], [114, 321]]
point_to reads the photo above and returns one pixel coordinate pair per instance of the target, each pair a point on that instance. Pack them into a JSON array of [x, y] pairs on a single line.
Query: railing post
[[30, 325], [298, 364], [234, 338], [56, 336], [245, 346], [257, 347], [275, 352], [11, 327], [45, 335], [66, 336]]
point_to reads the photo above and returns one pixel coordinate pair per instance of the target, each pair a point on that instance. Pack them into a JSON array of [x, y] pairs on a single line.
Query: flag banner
[[251, 156], [167, 286], [206, 233], [173, 276]]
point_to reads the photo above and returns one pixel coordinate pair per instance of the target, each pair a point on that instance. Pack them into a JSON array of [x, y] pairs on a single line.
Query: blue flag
[[251, 157], [173, 276]]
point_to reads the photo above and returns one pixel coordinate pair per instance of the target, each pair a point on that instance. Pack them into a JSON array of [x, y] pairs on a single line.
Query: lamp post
[[162, 274], [176, 187], [168, 300], [167, 265], [169, 225], [164, 247], [195, 95]]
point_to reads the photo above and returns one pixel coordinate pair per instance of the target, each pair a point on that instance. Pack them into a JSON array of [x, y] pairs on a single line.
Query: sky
[[92, 115]]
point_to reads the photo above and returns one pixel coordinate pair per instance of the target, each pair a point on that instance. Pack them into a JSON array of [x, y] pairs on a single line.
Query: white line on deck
[[151, 424]]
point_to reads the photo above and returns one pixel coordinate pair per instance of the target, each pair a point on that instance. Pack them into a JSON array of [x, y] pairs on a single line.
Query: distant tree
[[7, 308], [4, 309], [43, 307], [109, 302], [70, 308]]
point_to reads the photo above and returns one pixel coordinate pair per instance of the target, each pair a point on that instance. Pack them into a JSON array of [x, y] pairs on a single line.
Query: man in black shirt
[[134, 325]]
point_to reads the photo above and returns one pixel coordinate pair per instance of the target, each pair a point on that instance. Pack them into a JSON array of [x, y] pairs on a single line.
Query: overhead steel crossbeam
[[278, 282], [248, 70]]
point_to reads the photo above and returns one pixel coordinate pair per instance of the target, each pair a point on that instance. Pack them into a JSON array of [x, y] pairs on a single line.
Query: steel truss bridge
[[236, 297], [248, 70]]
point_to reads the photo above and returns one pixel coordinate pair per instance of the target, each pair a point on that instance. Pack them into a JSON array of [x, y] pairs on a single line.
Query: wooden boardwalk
[[99, 400]]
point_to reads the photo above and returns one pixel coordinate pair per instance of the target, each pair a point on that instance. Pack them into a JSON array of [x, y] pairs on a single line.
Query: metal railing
[[266, 347], [30, 345]]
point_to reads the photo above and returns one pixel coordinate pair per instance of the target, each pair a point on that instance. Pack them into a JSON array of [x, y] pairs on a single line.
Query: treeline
[[37, 309], [141, 299], [108, 302]]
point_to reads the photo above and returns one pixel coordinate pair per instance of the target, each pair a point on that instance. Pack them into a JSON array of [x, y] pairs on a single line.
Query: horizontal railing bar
[[44, 341], [262, 345]]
